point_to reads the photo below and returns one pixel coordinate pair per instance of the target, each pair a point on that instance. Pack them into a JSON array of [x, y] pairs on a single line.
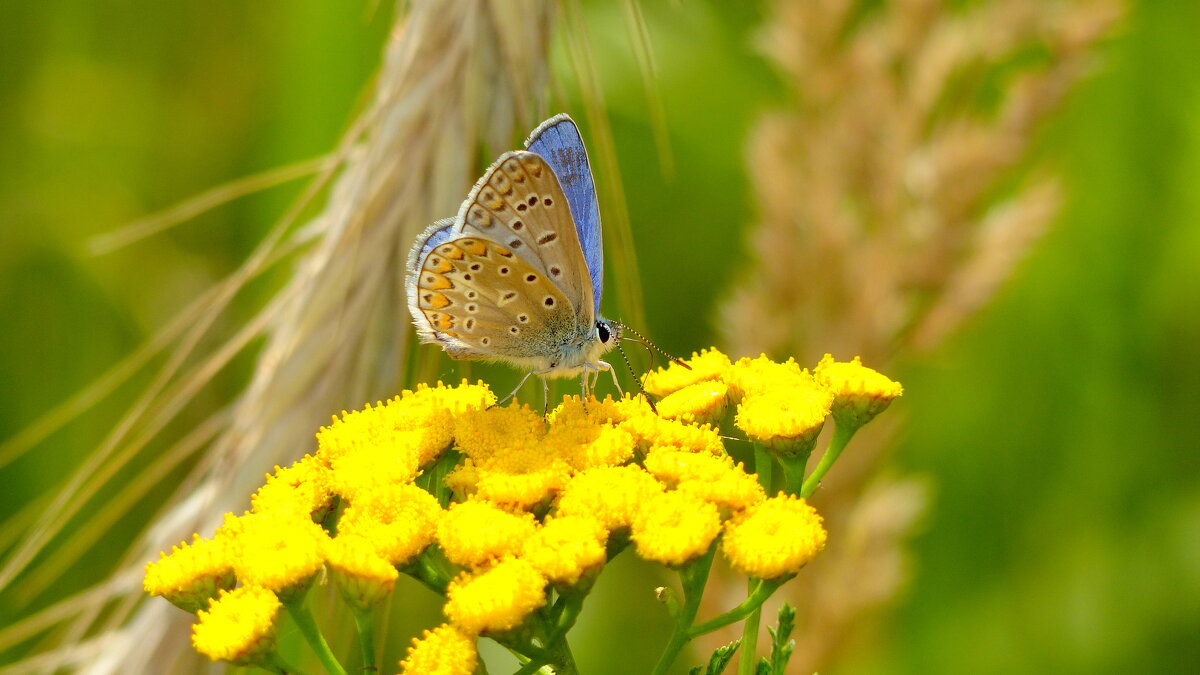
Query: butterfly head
[[607, 333]]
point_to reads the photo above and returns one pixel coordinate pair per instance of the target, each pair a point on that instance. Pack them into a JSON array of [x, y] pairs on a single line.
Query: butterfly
[[517, 276]]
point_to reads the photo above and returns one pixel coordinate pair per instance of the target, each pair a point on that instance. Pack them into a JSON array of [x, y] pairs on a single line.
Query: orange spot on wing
[[435, 300], [475, 247], [435, 282]]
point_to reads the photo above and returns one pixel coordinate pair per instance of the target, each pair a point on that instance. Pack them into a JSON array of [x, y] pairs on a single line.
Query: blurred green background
[[1058, 430]]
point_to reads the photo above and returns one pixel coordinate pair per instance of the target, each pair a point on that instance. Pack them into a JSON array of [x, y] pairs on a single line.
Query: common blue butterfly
[[517, 275]]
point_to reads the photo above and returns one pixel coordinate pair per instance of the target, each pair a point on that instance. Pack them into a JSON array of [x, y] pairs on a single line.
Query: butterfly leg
[[520, 384], [545, 396], [611, 371]]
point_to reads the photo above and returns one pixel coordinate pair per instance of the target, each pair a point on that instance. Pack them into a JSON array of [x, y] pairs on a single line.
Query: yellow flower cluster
[[366, 462], [535, 503], [780, 405]]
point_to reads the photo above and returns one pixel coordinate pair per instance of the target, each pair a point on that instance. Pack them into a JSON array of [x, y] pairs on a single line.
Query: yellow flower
[[714, 479], [675, 527], [611, 495], [192, 575], [445, 650], [584, 444], [709, 364], [649, 429], [753, 376], [361, 574], [786, 421], [240, 626], [860, 393], [373, 469], [480, 434], [566, 548], [417, 421], [399, 521], [775, 538], [514, 477], [496, 600], [476, 533], [281, 552], [700, 403], [302, 487], [609, 411]]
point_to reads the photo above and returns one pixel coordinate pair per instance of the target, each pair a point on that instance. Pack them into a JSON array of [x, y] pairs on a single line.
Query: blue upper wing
[[558, 141], [435, 235]]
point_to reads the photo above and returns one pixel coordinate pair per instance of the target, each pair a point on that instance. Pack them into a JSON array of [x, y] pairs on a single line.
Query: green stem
[[572, 605], [431, 569], [761, 592], [841, 436], [531, 667], [793, 474], [694, 576], [308, 628], [750, 635], [365, 621], [564, 659], [764, 466]]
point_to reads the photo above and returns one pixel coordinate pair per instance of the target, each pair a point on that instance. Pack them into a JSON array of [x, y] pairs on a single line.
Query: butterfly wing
[[481, 300], [558, 141], [438, 233], [520, 205], [508, 280]]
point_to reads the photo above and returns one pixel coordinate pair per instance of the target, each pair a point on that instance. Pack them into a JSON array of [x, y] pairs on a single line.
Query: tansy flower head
[[786, 421], [608, 411], [512, 476], [239, 627], [715, 479], [709, 364], [496, 600], [775, 538], [427, 412], [479, 433], [675, 527], [649, 429], [566, 547], [475, 533], [860, 393], [302, 487], [361, 574], [373, 469], [700, 403], [399, 521], [583, 444], [611, 495], [445, 650], [281, 552], [192, 575], [752, 376]]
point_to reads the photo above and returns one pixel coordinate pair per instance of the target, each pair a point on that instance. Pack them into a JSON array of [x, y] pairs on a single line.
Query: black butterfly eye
[[603, 331]]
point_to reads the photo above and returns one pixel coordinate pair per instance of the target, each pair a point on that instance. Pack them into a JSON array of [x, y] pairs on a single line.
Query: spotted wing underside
[[480, 300], [520, 205]]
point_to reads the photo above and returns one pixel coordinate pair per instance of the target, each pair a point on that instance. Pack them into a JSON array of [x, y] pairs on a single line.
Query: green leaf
[[719, 659], [781, 644]]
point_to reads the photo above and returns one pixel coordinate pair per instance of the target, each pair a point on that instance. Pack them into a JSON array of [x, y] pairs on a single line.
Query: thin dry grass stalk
[[896, 196], [458, 77]]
